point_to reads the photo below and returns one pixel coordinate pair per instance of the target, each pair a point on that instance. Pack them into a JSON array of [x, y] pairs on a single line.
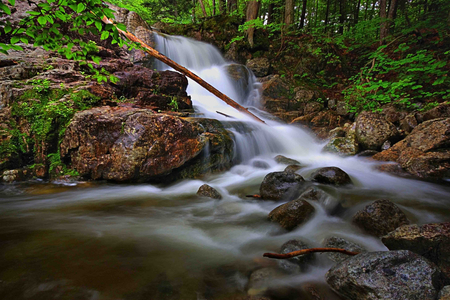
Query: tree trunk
[[202, 5], [213, 7], [327, 13], [384, 29], [222, 4], [343, 16], [152, 52], [252, 14], [232, 6], [302, 20], [355, 21], [289, 12], [392, 13], [270, 13]]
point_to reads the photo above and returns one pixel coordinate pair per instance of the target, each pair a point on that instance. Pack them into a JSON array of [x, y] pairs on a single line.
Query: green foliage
[[406, 78], [173, 104]]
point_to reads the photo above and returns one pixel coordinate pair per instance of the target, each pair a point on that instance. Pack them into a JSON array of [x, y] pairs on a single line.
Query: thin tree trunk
[[252, 14], [232, 6], [384, 23], [202, 5], [342, 17], [366, 9], [289, 12], [222, 4], [152, 52], [392, 14], [270, 13], [357, 13], [302, 20], [327, 13], [213, 7]]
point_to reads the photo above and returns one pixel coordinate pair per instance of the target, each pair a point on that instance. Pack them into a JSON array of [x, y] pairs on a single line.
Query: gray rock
[[292, 168], [367, 153], [432, 241], [386, 145], [408, 123], [342, 145], [208, 191], [380, 217], [386, 275], [331, 175], [292, 214], [337, 242], [298, 263], [444, 294], [372, 130], [313, 107], [285, 160], [280, 185], [259, 281], [260, 164], [337, 132], [341, 108], [260, 66]]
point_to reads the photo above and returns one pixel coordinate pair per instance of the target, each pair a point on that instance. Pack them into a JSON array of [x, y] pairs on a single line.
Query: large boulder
[[338, 242], [331, 175], [372, 130], [280, 185], [386, 275], [129, 144], [380, 217], [260, 66], [343, 146], [431, 241], [424, 152], [292, 214]]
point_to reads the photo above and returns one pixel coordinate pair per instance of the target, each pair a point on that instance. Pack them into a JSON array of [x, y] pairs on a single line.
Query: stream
[[97, 240]]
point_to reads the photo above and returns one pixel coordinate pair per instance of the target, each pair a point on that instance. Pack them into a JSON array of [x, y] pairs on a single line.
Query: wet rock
[[386, 275], [408, 123], [260, 280], [295, 264], [280, 185], [432, 241], [444, 294], [380, 217], [260, 164], [304, 95], [337, 242], [313, 107], [285, 160], [386, 145], [372, 130], [208, 191], [329, 203], [392, 113], [129, 144], [331, 175], [260, 66], [343, 146], [337, 132], [342, 108], [274, 88], [367, 153], [12, 175], [424, 152], [321, 123], [292, 168], [292, 214]]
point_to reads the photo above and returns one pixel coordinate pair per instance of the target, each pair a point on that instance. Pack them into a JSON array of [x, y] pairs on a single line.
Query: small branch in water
[[254, 196], [306, 251], [223, 114]]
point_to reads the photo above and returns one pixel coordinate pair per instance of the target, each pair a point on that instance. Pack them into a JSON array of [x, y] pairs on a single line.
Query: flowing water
[[106, 241]]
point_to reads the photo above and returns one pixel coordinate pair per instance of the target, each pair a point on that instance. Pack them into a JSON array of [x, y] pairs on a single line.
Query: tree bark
[[270, 13], [343, 16], [327, 13], [213, 7], [202, 5], [289, 12], [232, 6], [252, 14], [222, 4], [384, 23], [184, 71], [302, 20], [355, 21]]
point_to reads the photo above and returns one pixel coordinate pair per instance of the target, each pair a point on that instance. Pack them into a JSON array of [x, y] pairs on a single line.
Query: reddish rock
[[372, 130]]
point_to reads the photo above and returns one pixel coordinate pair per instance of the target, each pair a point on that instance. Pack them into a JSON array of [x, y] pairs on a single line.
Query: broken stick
[[184, 71], [306, 251]]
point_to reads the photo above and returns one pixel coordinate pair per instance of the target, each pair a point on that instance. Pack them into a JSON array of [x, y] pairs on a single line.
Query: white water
[[99, 236]]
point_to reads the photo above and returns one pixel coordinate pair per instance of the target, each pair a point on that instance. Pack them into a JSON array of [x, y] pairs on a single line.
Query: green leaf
[[80, 7], [105, 35], [24, 40], [5, 8], [42, 20], [98, 24], [15, 39], [12, 2], [8, 28], [121, 27], [96, 59], [33, 13]]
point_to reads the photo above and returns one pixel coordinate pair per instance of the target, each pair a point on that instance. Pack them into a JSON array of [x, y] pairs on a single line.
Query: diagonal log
[[152, 52], [306, 251]]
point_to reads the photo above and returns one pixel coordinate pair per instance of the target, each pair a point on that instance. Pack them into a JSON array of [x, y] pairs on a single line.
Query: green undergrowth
[[39, 120]]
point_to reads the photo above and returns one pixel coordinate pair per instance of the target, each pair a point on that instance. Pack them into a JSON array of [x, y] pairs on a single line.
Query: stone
[[303, 95], [260, 164], [292, 168], [424, 152], [331, 204], [380, 217], [259, 281], [260, 66], [342, 108], [280, 186], [126, 144], [386, 145], [372, 130], [367, 153], [342, 146], [386, 275], [285, 160], [441, 111], [331, 175], [408, 123], [432, 241], [298, 263], [337, 132], [208, 191], [444, 294], [292, 214], [313, 107], [338, 242]]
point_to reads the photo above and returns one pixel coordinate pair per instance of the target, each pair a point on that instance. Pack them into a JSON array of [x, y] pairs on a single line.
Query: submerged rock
[[343, 146], [292, 168], [338, 242], [208, 191], [292, 214], [260, 280], [386, 275], [380, 217], [372, 130], [280, 185], [286, 160], [128, 144], [432, 241], [331, 175], [298, 263]]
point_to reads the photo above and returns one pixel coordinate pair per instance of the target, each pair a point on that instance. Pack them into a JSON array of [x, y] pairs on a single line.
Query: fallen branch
[[306, 251], [152, 52], [254, 196], [223, 114]]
